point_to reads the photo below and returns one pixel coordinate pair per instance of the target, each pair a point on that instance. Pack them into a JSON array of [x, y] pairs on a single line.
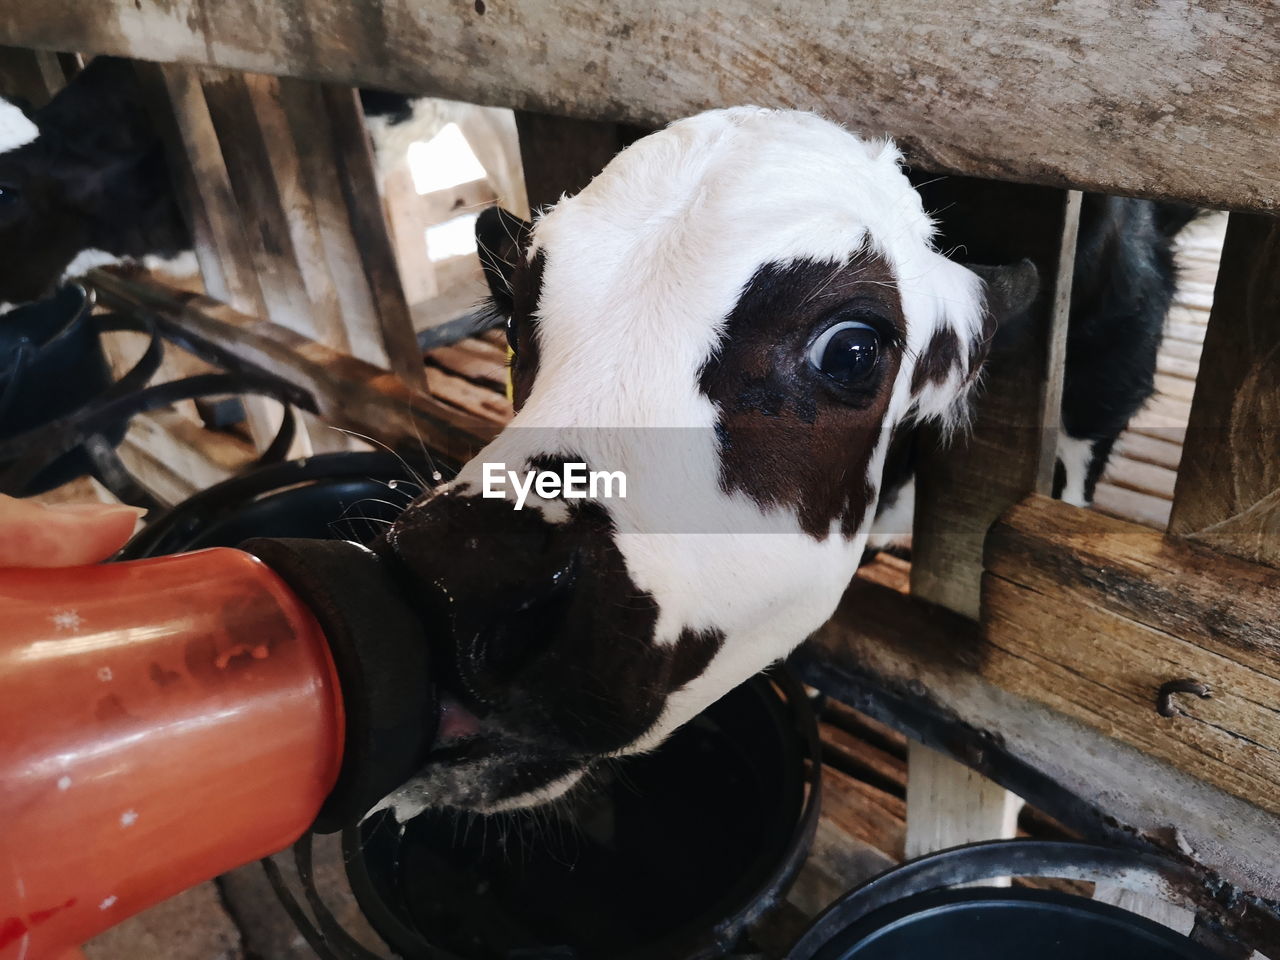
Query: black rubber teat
[[379, 646]]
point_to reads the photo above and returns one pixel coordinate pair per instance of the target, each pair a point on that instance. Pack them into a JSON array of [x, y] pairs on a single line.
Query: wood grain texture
[[961, 488], [924, 670], [1092, 616], [353, 162], [1228, 489], [1164, 98]]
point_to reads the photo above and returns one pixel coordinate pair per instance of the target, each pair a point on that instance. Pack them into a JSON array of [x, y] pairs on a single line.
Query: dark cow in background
[[87, 173], [83, 181]]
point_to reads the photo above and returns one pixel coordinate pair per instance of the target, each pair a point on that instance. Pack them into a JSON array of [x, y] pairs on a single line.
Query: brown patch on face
[[526, 288], [788, 436], [937, 360]]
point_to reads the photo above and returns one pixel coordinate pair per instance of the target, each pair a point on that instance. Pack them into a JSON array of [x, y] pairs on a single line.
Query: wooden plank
[[345, 391], [24, 77], [203, 185], [296, 202], [1228, 491], [1148, 450], [949, 803], [1141, 99], [959, 492], [339, 260], [353, 156], [1143, 477], [1125, 504], [243, 143], [560, 155], [923, 670], [1093, 616]]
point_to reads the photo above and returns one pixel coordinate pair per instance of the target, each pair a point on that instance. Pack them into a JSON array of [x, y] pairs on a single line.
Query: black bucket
[[673, 856], [51, 365], [914, 912]]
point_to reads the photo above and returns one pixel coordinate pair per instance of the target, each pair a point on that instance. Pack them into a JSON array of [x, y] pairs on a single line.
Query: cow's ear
[[501, 240], [1011, 289]]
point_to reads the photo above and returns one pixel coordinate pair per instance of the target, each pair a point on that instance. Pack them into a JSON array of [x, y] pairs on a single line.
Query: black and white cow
[[736, 314], [82, 182]]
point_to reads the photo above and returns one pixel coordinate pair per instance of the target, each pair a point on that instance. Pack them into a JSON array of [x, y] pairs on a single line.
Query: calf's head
[[735, 314]]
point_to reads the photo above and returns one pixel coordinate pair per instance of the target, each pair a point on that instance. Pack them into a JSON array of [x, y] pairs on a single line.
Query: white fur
[[87, 260], [16, 128], [893, 526], [642, 269], [1075, 454]]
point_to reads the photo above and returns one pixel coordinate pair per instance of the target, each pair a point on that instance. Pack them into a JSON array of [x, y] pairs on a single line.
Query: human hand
[[34, 534]]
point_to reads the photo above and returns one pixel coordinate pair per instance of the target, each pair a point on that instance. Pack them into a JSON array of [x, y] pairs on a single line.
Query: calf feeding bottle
[[165, 720]]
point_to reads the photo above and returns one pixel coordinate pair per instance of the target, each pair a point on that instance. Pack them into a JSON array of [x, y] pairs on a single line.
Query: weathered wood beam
[[1228, 489], [345, 391], [1104, 620], [1118, 97], [560, 154], [924, 671], [960, 491], [961, 488]]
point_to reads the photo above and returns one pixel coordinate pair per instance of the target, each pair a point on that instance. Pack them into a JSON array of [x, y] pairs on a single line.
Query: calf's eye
[[846, 352], [8, 195]]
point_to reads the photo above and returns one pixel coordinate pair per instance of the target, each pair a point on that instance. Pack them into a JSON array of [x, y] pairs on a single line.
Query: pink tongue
[[456, 721]]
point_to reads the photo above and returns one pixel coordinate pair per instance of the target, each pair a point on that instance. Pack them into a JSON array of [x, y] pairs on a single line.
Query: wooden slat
[[1092, 616], [959, 493], [1148, 450], [244, 146], [24, 75], [1144, 477], [353, 156], [203, 185], [560, 155], [924, 670], [961, 490], [1228, 490], [337, 263], [346, 391], [1125, 504], [1140, 99]]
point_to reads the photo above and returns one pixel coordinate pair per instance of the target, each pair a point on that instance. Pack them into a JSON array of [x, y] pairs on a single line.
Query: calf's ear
[[1011, 289], [501, 240]]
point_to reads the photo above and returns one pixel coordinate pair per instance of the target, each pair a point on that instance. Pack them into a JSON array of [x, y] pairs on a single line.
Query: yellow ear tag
[[511, 376]]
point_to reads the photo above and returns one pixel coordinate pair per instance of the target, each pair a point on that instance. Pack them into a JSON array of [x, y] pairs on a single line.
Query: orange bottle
[[163, 721]]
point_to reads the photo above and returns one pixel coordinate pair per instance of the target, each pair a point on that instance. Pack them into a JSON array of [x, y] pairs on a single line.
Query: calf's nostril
[[517, 629]]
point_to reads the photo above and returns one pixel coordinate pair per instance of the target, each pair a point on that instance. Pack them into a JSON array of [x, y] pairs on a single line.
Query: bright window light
[[453, 238], [444, 161]]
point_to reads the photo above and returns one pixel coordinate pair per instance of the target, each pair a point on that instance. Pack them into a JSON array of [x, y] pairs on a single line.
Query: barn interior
[[1021, 663]]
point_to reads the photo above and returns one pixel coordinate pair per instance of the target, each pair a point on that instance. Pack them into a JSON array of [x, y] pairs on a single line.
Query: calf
[[735, 315]]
